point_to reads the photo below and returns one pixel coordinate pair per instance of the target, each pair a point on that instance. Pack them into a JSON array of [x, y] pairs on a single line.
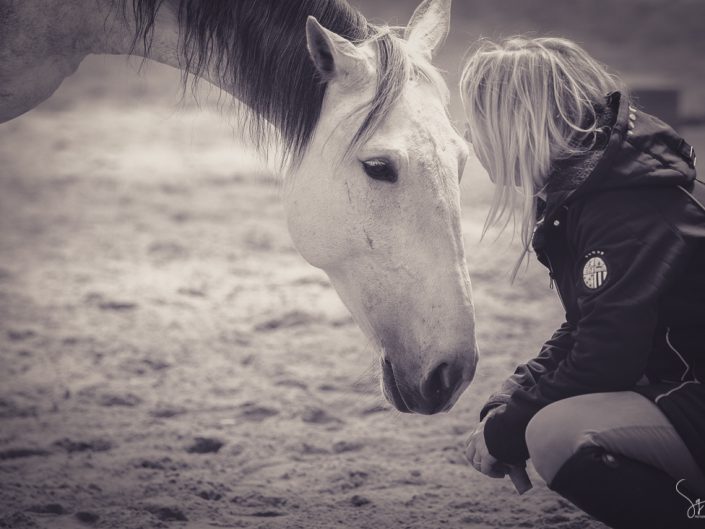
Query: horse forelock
[[396, 67], [257, 49]]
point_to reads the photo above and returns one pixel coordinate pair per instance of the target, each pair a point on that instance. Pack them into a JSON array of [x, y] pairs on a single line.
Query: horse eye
[[380, 170]]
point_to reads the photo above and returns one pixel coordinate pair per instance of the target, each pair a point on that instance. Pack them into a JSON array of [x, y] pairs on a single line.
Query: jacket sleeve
[[616, 321], [526, 375]]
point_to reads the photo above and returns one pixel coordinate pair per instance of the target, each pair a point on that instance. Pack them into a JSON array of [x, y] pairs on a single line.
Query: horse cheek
[[318, 222]]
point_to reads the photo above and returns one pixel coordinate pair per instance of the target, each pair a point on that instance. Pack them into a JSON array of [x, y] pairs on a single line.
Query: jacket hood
[[648, 155]]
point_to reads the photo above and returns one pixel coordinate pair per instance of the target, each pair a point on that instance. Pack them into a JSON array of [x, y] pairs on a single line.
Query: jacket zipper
[[552, 277]]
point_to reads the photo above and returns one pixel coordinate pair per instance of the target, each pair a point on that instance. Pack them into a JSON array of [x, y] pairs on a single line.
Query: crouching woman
[[612, 410]]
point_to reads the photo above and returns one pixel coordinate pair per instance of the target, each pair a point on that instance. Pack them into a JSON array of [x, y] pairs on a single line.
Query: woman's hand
[[480, 458]]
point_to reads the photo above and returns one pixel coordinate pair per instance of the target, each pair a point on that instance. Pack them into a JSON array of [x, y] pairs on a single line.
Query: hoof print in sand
[[319, 416], [93, 445], [102, 303], [16, 453], [268, 514], [117, 305], [127, 400], [291, 383], [346, 446], [210, 495], [162, 463], [205, 445], [18, 335], [167, 513], [309, 449], [359, 501], [87, 517], [47, 508], [193, 292], [294, 318], [166, 412], [263, 506], [255, 413]]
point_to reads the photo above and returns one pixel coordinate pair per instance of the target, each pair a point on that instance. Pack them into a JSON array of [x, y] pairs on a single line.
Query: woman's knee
[[554, 434]]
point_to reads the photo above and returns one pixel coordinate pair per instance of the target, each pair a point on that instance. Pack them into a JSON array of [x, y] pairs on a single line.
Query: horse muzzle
[[438, 390]]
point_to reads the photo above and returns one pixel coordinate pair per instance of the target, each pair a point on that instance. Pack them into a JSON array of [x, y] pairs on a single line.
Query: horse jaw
[[394, 252]]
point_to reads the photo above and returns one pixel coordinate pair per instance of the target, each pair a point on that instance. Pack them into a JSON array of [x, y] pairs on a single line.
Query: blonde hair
[[529, 102]]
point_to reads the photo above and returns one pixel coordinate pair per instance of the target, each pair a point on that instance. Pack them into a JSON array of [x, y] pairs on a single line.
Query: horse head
[[375, 203]]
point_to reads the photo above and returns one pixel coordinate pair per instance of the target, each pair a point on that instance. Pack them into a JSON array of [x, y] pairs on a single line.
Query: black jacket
[[623, 237]]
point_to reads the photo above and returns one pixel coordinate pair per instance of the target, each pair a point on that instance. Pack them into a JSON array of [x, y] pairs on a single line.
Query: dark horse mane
[[258, 49]]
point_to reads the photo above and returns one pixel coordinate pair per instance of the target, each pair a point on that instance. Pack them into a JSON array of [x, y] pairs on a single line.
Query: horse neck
[[117, 37]]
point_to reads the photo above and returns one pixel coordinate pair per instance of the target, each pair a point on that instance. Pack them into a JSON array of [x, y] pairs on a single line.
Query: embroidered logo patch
[[595, 270]]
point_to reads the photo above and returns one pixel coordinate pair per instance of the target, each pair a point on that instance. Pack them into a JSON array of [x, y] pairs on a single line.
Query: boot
[[624, 493]]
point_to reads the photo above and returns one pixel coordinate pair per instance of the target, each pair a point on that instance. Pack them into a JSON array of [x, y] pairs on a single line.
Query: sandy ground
[[169, 360]]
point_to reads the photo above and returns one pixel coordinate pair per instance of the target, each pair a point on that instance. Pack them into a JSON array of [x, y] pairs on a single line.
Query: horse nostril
[[440, 385], [437, 381]]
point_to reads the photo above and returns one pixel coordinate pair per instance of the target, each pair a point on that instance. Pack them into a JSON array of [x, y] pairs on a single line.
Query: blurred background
[[166, 357]]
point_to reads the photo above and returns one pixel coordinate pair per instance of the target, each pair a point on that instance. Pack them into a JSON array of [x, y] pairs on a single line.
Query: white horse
[[357, 114]]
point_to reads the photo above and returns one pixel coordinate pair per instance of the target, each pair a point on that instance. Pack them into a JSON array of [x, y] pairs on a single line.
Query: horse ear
[[429, 26], [334, 56]]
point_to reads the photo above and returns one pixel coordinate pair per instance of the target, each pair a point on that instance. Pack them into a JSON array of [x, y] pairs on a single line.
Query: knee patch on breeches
[[553, 437]]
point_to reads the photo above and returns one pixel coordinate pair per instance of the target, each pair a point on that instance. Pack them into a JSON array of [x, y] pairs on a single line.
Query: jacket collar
[[577, 175]]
